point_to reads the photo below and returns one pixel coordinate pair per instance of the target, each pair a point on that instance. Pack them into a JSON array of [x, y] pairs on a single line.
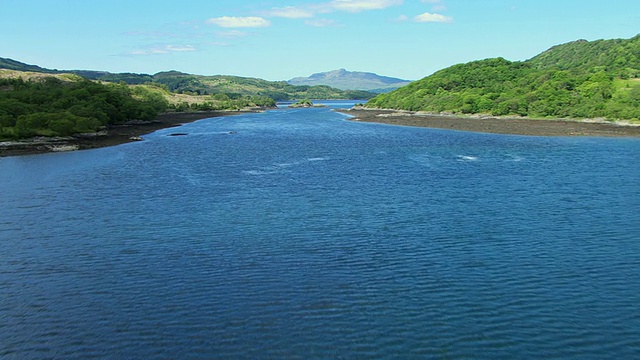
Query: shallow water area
[[296, 233]]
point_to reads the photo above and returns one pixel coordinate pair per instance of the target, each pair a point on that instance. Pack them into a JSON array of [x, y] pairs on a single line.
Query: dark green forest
[[582, 79], [49, 106], [52, 107]]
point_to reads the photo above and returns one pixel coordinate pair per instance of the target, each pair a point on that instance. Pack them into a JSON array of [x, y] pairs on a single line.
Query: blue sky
[[279, 40]]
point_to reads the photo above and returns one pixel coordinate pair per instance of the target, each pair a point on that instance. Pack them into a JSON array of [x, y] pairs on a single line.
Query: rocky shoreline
[[496, 125], [114, 135]]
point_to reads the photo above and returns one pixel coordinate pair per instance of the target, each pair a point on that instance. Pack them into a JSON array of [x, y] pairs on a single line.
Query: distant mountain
[[352, 80], [183, 83], [580, 79], [234, 86]]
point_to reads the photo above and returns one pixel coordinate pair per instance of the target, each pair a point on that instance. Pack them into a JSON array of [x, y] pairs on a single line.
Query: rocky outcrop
[[306, 104]]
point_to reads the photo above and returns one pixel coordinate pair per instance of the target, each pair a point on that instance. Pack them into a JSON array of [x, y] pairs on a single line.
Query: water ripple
[[312, 237]]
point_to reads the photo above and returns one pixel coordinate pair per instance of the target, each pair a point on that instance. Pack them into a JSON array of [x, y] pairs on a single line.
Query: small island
[[306, 103]]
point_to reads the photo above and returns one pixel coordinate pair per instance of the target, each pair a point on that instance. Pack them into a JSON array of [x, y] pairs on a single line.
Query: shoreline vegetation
[[111, 136], [135, 130], [574, 89], [496, 125]]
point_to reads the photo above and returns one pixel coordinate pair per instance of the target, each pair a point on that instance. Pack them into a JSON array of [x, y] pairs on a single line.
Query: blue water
[[298, 234]]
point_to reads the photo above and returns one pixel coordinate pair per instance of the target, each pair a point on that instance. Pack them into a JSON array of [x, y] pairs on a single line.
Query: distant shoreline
[[513, 126], [114, 135]]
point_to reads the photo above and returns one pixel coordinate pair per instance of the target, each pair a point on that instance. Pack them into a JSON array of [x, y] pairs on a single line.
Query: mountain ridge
[[184, 83], [352, 80]]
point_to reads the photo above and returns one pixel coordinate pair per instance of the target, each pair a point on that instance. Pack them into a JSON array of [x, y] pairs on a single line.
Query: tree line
[[182, 83], [576, 80], [52, 107]]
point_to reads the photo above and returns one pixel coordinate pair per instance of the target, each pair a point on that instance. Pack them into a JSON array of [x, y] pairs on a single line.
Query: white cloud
[[429, 17], [239, 22], [320, 22], [305, 12], [402, 18], [361, 5], [290, 12], [139, 52], [232, 34], [162, 49], [180, 48]]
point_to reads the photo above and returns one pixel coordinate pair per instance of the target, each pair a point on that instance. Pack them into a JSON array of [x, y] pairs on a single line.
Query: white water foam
[[515, 158], [279, 167], [467, 158]]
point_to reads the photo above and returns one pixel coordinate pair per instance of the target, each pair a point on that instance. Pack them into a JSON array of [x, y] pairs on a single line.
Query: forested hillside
[[618, 57], [65, 104], [232, 86], [582, 79], [236, 86], [129, 78], [51, 107]]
